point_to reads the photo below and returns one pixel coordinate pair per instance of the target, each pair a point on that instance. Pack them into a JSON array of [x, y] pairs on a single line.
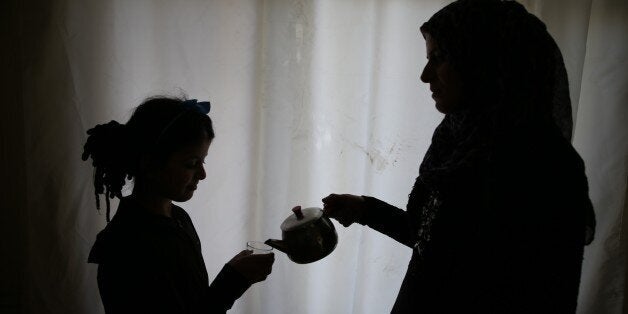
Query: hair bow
[[202, 107]]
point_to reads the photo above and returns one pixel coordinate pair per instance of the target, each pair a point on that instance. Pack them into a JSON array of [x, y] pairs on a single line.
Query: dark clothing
[[503, 235], [153, 264]]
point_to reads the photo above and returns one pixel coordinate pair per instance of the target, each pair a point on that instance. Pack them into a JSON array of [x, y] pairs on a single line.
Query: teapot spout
[[278, 244]]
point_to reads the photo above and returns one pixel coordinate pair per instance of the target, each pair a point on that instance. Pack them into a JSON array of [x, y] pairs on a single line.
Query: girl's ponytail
[[106, 145]]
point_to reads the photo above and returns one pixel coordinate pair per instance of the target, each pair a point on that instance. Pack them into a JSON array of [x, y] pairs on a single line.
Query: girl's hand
[[254, 267], [345, 208]]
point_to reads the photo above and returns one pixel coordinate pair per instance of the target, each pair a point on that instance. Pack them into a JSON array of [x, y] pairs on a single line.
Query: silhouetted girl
[[149, 256]]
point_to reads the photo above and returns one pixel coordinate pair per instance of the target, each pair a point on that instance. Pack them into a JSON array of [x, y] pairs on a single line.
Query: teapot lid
[[301, 217]]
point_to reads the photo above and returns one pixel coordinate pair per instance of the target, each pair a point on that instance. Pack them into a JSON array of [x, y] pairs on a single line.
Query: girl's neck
[[151, 201]]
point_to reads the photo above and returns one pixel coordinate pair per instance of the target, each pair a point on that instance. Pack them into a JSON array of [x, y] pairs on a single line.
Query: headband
[[202, 107]]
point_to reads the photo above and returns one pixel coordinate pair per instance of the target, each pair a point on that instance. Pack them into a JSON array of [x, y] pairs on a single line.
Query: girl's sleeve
[[227, 287]]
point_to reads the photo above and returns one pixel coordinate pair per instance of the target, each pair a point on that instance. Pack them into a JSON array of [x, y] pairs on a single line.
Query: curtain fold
[[308, 98], [601, 137]]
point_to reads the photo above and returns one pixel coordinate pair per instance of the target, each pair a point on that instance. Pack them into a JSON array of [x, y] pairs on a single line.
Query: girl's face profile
[[445, 82], [178, 178]]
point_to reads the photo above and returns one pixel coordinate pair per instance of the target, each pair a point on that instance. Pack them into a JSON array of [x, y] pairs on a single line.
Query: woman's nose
[[201, 174]]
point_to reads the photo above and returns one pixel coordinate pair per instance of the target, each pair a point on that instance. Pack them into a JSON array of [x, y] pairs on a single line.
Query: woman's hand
[[345, 208], [254, 267]]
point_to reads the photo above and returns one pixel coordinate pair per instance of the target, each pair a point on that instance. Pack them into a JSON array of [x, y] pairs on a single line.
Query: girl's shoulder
[[179, 213]]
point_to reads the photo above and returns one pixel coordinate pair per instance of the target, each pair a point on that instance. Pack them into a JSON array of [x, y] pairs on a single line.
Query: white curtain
[[308, 98]]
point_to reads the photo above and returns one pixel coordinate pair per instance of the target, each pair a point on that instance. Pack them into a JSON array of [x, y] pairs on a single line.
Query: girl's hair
[[158, 127]]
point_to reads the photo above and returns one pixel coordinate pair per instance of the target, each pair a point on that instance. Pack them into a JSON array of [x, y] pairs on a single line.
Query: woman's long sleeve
[[389, 220]]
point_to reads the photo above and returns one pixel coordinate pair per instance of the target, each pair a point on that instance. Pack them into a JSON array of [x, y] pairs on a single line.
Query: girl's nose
[[426, 74]]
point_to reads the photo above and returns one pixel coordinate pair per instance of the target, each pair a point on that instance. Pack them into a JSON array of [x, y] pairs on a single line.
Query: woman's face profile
[[445, 82]]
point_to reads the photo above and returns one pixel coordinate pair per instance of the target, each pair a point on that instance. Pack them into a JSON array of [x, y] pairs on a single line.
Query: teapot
[[307, 235]]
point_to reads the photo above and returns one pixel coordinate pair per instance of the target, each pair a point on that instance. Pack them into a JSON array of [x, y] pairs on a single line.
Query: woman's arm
[[389, 220], [385, 218]]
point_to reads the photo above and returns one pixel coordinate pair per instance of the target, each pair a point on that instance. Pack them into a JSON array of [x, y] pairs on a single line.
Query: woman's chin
[[441, 108], [446, 106]]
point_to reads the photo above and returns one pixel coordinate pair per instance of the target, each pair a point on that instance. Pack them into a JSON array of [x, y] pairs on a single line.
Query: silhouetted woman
[[149, 256], [499, 214]]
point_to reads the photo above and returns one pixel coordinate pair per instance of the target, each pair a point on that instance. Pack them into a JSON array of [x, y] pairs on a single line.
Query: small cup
[[259, 247]]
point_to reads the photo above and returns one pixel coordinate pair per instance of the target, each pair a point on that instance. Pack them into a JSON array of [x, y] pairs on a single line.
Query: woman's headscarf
[[514, 77], [515, 80], [512, 66]]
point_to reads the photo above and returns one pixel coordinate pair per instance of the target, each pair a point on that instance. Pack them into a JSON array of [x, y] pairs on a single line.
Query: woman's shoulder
[[534, 147]]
